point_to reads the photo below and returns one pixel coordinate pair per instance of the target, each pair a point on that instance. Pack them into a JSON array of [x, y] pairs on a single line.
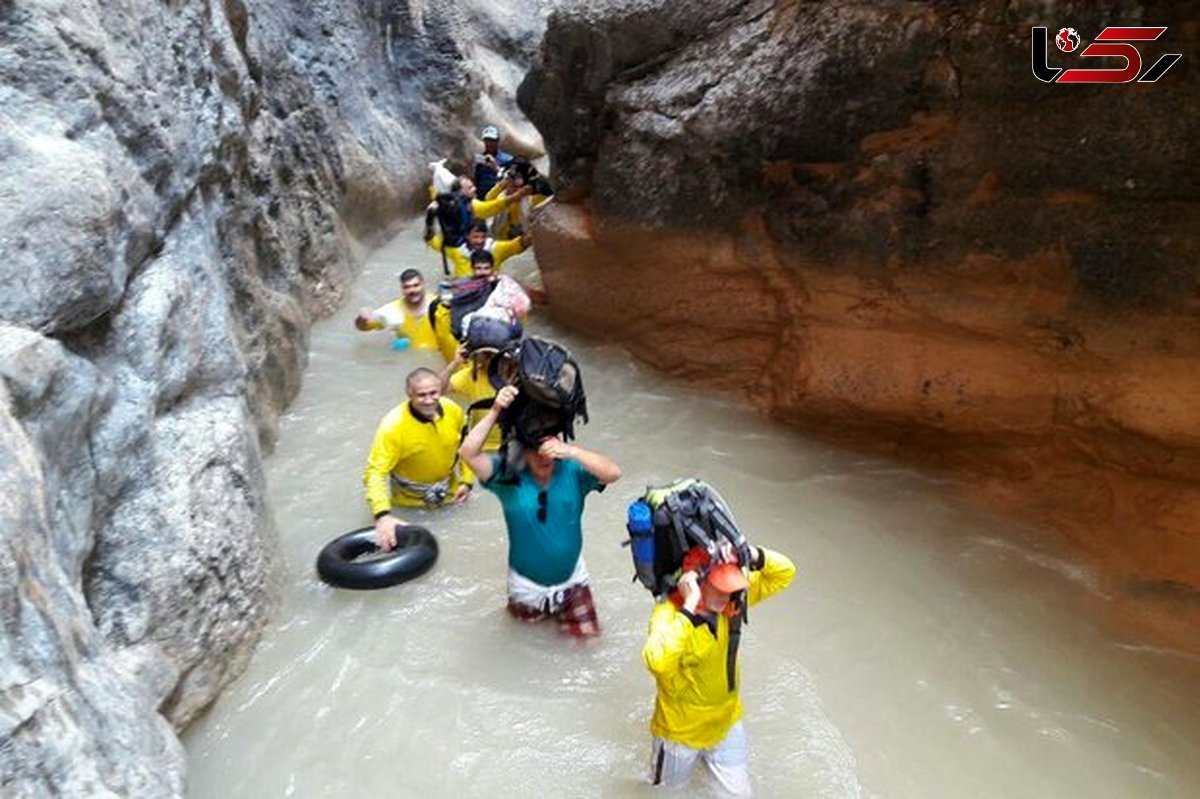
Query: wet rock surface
[[185, 190], [874, 222]]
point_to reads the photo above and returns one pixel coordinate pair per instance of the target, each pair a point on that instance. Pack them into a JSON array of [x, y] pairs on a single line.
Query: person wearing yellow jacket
[[407, 317], [514, 220], [466, 377], [698, 709], [414, 461], [477, 240]]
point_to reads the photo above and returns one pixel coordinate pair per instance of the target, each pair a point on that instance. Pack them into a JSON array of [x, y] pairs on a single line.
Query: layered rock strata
[[872, 221], [185, 189]]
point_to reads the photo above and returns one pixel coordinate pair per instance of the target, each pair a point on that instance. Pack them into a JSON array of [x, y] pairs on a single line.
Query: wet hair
[[417, 374], [478, 227], [482, 257], [411, 274], [456, 186]]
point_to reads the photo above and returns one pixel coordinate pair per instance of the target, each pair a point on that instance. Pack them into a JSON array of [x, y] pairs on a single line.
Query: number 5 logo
[[1112, 42]]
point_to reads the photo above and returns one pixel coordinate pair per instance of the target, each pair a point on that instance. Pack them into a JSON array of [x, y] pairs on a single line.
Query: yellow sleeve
[[506, 248], [462, 263], [776, 574], [435, 243], [465, 473], [440, 322], [460, 382], [674, 645], [384, 455], [482, 209], [458, 417], [494, 191]]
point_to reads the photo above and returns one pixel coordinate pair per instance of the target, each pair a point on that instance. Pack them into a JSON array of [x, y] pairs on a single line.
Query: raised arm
[[471, 450], [770, 573], [600, 467], [460, 357]]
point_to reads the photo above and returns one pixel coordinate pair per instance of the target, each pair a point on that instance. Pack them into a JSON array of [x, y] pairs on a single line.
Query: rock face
[[872, 219], [185, 188]]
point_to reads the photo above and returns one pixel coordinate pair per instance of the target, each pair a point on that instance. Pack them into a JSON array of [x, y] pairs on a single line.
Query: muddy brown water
[[926, 649]]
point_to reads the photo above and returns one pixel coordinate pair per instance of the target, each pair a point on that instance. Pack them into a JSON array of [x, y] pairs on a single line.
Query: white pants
[[546, 598], [672, 763]]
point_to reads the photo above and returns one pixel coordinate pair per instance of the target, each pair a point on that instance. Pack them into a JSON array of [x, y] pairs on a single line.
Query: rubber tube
[[339, 565]]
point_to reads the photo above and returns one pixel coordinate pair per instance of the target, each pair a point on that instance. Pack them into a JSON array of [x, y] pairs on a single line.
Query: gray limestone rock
[[185, 189]]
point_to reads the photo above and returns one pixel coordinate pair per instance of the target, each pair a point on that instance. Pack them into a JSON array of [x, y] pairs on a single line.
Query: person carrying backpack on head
[[484, 293], [691, 650], [486, 330], [542, 501]]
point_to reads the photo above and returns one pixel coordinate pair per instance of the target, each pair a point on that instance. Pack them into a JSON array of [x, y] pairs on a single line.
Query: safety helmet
[[490, 132]]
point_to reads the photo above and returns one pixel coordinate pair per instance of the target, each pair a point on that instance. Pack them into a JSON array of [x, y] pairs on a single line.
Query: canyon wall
[[186, 188], [871, 220]]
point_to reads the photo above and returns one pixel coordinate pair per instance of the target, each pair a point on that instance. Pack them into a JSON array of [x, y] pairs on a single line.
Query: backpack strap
[[722, 524], [671, 502], [481, 405], [735, 638]]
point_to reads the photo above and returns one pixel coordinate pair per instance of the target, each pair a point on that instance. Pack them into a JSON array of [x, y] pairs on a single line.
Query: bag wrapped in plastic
[[442, 177], [509, 295]]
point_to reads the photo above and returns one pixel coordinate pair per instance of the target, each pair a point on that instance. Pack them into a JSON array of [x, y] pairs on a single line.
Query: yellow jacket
[[460, 256], [515, 214], [416, 450], [471, 388], [447, 344], [395, 316], [694, 705]]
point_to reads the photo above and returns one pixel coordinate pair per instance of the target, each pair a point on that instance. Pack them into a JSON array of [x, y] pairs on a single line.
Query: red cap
[[725, 577], [728, 578]]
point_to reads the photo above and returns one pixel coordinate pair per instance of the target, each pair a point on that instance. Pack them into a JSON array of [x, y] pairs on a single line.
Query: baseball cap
[[728, 578], [490, 132]]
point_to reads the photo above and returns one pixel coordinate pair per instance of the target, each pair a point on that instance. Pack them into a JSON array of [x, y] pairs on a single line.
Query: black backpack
[[460, 297], [667, 521], [453, 214], [454, 217], [490, 333], [551, 393]]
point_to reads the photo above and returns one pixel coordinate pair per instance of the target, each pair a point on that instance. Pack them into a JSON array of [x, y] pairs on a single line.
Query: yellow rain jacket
[[395, 317], [515, 214], [694, 705], [447, 344], [460, 256], [472, 388], [415, 450]]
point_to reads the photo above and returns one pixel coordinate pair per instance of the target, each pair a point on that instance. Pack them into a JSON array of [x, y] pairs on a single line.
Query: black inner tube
[[353, 561]]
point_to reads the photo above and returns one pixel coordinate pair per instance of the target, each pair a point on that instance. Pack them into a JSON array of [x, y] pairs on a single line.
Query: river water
[[926, 649]]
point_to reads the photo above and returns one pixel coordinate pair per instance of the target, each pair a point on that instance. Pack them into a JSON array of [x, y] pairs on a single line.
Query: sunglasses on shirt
[[541, 511]]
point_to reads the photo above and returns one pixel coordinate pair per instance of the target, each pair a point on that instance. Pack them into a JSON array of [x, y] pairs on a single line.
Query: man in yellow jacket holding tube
[[691, 650], [414, 461]]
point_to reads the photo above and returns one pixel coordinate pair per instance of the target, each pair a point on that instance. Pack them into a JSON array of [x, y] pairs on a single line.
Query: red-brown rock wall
[[872, 221], [1082, 420]]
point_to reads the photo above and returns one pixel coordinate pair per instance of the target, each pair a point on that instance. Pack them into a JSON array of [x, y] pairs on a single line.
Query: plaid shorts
[[576, 615]]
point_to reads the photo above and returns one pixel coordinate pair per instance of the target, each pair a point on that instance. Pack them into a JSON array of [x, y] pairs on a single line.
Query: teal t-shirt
[[544, 551]]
